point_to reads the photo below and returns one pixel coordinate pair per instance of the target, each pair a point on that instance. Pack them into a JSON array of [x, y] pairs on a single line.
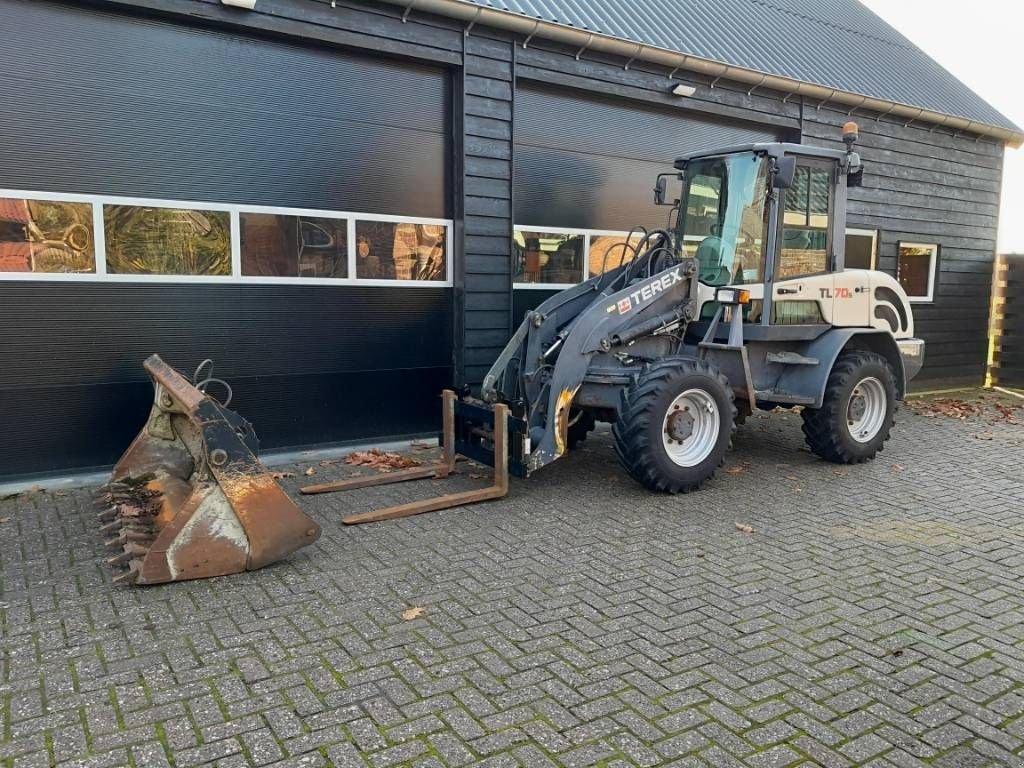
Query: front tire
[[675, 425], [856, 415]]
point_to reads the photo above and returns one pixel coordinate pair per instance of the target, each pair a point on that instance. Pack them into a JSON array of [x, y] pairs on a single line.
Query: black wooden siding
[[487, 148]]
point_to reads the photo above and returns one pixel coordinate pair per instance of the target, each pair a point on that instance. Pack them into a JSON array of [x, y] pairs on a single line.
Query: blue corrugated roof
[[834, 43]]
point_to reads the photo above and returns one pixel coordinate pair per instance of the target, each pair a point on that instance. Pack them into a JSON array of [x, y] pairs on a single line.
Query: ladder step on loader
[[478, 433]]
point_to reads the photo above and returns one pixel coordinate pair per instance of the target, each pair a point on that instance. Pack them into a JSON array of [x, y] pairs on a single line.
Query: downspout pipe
[[632, 50]]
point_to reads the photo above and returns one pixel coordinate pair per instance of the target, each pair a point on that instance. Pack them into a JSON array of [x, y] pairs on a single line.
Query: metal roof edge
[[631, 49]]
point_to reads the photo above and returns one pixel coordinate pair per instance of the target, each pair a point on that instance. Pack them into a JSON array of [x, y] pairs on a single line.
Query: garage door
[[589, 162], [262, 203], [584, 172]]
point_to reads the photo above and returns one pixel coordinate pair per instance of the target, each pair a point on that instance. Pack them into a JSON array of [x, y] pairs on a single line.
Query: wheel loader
[[742, 302]]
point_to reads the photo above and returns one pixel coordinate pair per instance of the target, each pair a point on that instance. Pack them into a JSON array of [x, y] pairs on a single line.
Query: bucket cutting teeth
[[107, 515], [110, 527], [130, 576], [126, 556]]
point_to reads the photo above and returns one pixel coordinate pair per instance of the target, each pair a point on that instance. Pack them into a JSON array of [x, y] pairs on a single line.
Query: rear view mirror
[[659, 190], [785, 171]]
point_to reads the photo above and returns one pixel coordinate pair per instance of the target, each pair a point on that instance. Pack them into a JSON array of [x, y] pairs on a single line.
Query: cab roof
[[770, 148]]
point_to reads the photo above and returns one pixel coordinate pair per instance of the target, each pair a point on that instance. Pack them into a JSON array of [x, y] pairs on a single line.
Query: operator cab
[[770, 218]]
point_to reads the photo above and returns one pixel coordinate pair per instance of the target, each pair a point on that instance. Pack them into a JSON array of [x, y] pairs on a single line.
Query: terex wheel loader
[[744, 303]]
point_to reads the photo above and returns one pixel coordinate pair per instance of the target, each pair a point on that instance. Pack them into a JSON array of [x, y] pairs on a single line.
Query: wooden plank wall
[[487, 198], [1008, 322]]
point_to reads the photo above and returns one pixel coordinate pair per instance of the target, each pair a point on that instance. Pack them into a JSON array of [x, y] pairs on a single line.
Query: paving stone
[[872, 618]]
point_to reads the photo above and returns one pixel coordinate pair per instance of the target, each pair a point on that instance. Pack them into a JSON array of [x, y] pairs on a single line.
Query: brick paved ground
[[876, 616]]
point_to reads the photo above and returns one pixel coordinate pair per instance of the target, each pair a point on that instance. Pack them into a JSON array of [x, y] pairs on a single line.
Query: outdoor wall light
[[247, 4], [682, 89]]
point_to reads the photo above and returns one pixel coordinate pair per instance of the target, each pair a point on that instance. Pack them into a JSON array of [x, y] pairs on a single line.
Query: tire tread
[[631, 429]]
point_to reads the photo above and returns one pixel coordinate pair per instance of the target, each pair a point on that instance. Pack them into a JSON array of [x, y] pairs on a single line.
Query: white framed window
[[554, 257], [66, 236], [915, 269], [861, 248]]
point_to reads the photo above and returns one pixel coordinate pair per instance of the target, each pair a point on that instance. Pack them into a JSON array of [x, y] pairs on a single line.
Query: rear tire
[[675, 425], [856, 415]]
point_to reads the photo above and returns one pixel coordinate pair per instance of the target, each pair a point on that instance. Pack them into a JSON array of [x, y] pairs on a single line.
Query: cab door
[[806, 288]]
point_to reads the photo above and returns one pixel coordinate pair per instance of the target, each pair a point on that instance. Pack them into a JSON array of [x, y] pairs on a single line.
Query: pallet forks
[[490, 436]]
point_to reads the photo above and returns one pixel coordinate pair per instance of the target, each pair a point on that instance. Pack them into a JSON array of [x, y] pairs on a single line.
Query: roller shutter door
[[587, 162], [109, 103]]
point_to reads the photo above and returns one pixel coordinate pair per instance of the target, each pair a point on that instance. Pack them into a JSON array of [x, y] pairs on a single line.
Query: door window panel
[[548, 257], [805, 220], [46, 237], [725, 218], [166, 241], [274, 245], [388, 250]]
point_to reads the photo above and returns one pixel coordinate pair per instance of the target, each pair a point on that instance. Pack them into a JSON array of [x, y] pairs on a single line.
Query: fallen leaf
[[897, 467], [984, 436], [281, 475], [4, 519], [412, 613], [898, 652], [946, 406], [735, 469], [744, 528], [840, 472], [382, 461], [419, 445], [309, 472]]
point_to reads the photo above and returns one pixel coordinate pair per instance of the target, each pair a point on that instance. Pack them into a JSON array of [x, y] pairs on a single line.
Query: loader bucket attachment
[[189, 499]]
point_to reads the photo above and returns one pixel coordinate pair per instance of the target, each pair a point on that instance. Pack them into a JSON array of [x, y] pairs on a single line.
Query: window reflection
[[548, 257], [166, 241], [46, 236], [274, 245], [388, 250], [805, 224], [608, 252]]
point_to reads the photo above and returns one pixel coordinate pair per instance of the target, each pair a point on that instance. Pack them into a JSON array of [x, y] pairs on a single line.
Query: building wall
[[296, 384]]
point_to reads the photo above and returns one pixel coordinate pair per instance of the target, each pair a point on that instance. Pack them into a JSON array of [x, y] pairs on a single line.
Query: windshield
[[723, 219]]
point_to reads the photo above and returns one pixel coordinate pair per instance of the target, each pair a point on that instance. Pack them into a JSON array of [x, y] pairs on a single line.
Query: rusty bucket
[[189, 499]]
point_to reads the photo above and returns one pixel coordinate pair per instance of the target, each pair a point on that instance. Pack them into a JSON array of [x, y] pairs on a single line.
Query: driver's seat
[[709, 257]]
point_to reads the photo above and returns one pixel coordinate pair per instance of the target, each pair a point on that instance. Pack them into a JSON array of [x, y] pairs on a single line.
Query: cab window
[[805, 223], [723, 222]]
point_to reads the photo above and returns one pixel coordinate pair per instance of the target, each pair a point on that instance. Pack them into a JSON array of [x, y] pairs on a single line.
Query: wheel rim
[[865, 412], [690, 428]]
